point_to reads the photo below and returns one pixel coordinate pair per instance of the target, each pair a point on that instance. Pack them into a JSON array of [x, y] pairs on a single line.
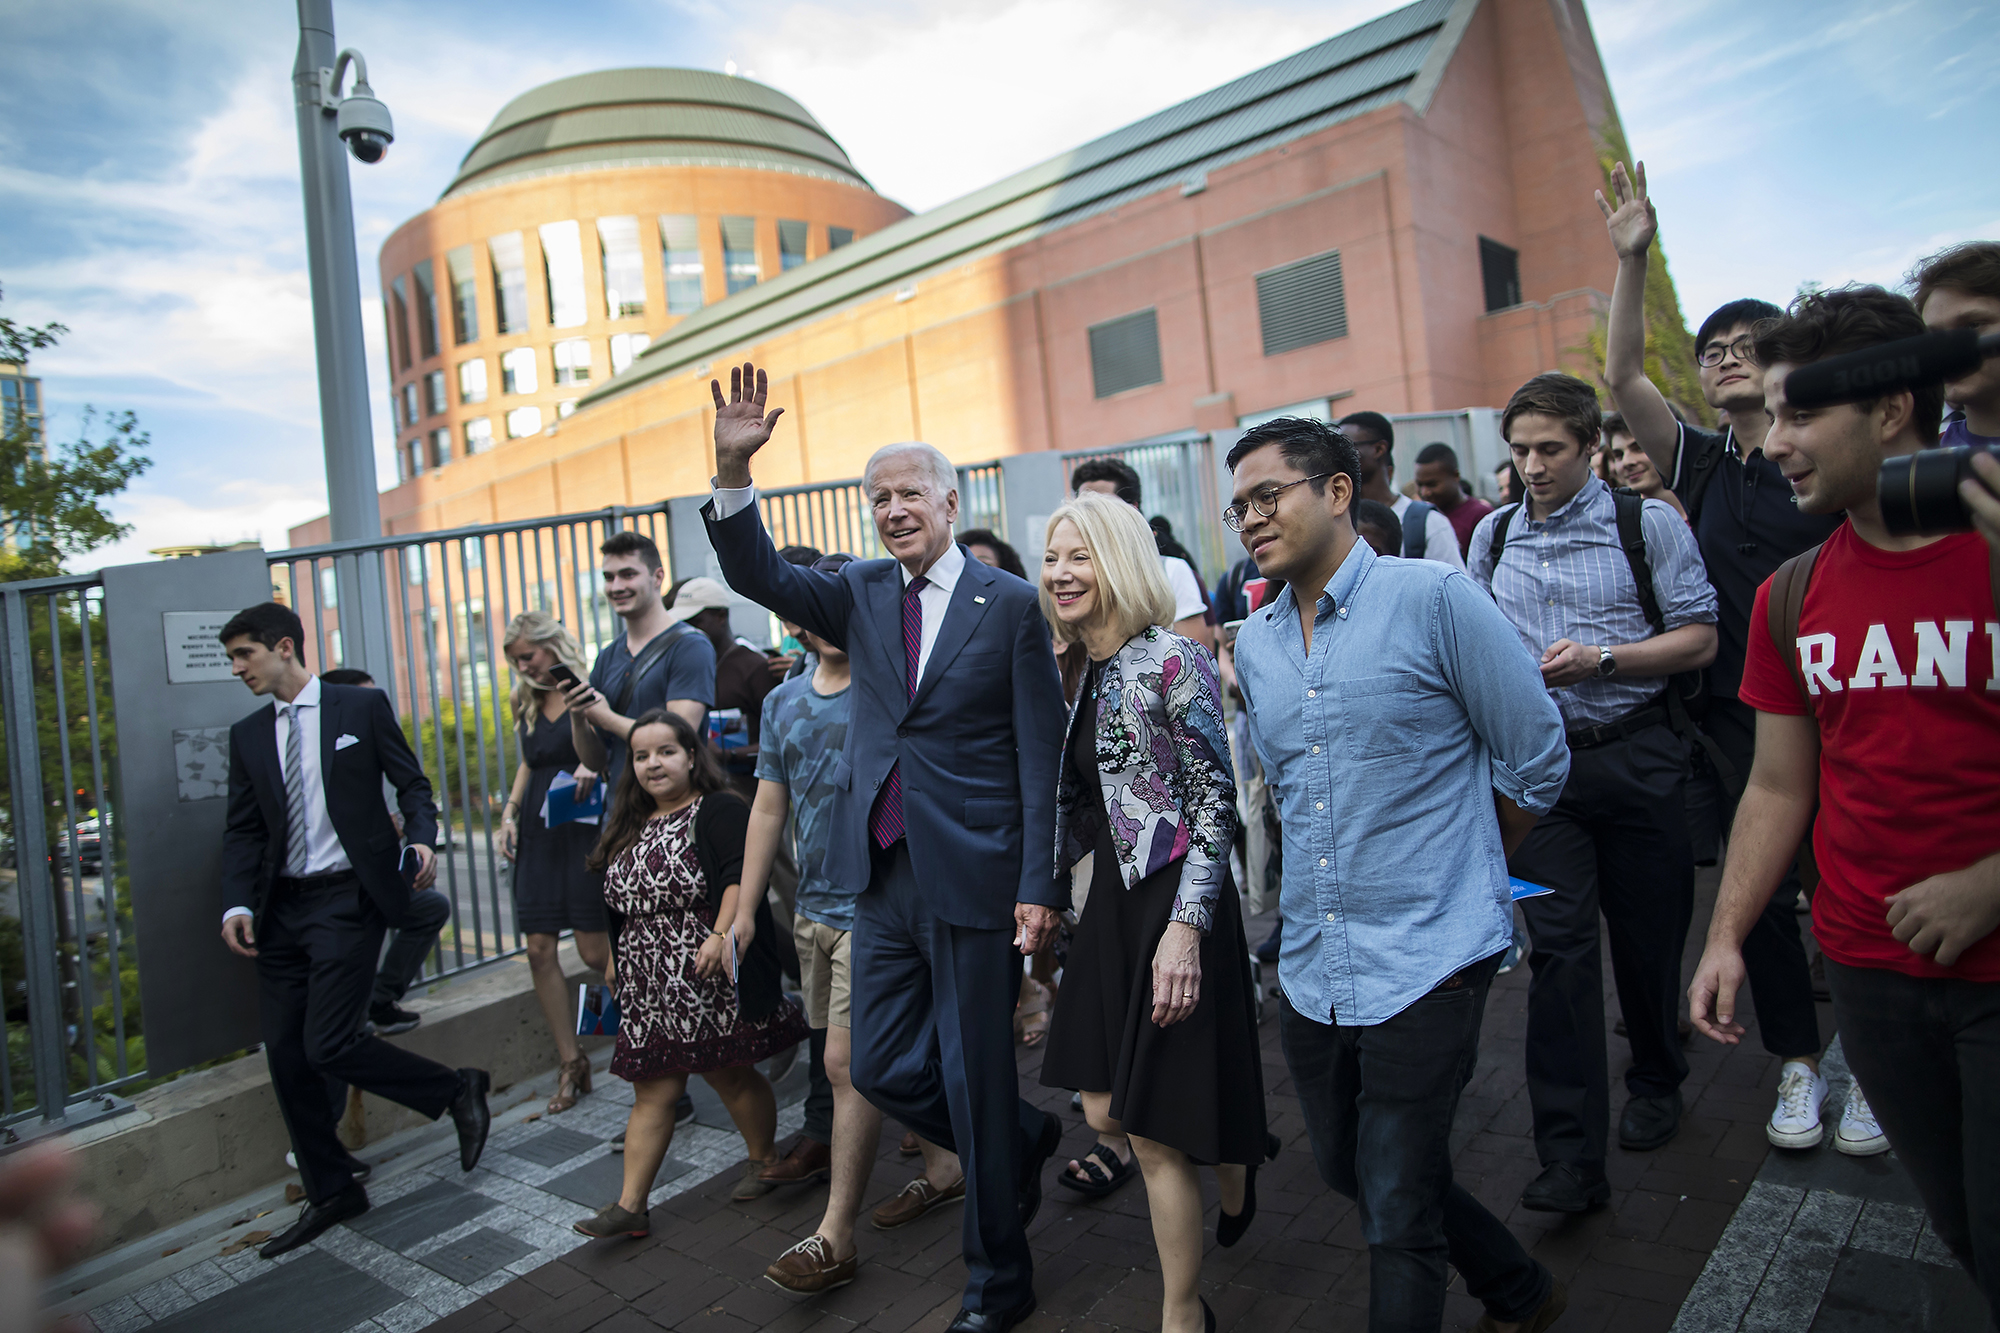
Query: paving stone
[[315, 1293], [1870, 1292], [472, 1257], [553, 1146], [420, 1215], [600, 1180]]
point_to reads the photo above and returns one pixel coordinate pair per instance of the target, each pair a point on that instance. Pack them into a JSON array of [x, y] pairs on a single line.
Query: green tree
[[1670, 360]]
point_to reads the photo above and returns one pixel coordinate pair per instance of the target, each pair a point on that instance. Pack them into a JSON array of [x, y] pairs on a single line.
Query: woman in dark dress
[[553, 891], [1155, 1020], [672, 858]]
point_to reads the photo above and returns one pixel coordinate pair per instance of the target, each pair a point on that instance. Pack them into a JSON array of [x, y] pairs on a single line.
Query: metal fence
[[72, 1027], [449, 598], [1177, 479]]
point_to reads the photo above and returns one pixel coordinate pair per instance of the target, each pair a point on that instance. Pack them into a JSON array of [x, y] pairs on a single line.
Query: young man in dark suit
[[310, 857], [945, 812]]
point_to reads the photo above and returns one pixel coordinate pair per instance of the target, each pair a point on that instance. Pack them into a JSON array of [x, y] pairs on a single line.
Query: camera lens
[[1919, 492], [367, 145]]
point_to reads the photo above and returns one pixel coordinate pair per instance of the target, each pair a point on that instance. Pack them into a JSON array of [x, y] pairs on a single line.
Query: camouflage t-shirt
[[804, 735]]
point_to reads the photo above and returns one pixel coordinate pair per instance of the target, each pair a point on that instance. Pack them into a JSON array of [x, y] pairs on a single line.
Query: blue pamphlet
[[1523, 889], [561, 806], [596, 1011]]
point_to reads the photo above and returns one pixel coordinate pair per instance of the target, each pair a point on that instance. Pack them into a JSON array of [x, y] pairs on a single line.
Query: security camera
[[361, 120], [364, 124]]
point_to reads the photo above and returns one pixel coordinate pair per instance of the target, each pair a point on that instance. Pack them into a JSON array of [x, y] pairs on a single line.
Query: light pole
[[325, 119]]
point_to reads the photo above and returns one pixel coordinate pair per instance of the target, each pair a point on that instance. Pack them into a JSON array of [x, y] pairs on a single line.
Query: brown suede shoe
[[1550, 1311], [809, 1160], [809, 1267], [750, 1183], [918, 1197], [614, 1221]]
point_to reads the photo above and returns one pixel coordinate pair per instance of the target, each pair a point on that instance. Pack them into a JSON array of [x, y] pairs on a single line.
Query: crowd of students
[[1400, 711]]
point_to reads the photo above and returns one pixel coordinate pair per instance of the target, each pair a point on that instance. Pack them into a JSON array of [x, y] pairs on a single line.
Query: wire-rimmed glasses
[[1265, 499]]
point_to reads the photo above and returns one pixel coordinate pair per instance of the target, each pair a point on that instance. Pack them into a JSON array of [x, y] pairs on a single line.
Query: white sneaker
[[292, 1160], [1795, 1119], [1859, 1135]]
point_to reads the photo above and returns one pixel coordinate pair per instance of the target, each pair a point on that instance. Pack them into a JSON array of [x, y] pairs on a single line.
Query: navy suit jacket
[[254, 836], [978, 743]]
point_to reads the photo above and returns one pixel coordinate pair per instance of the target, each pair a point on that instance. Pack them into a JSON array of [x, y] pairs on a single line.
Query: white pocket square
[[346, 741]]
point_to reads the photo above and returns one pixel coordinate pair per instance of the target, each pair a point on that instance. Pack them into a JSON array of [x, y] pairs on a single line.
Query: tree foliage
[[1670, 360]]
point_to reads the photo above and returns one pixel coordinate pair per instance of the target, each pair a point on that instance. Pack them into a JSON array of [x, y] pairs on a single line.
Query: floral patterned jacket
[[1163, 757]]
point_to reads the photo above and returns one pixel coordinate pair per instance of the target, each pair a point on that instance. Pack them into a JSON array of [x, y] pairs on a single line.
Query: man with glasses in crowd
[[1746, 523], [1395, 900]]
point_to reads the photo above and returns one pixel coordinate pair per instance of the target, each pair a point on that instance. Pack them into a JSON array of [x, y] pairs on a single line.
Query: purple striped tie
[[886, 824]]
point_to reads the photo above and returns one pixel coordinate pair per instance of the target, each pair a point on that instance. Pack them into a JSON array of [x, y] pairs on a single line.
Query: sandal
[[574, 1083], [1031, 1015], [1102, 1173]]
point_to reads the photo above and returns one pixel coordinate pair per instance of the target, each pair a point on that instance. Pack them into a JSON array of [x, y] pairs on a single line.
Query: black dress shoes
[[1563, 1188], [1029, 1188], [472, 1116], [1650, 1122], [992, 1321], [315, 1218]]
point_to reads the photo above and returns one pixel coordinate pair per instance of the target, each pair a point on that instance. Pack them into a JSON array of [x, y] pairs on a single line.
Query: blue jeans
[[1379, 1103]]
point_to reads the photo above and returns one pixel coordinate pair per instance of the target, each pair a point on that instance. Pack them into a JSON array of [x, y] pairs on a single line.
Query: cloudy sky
[[149, 165]]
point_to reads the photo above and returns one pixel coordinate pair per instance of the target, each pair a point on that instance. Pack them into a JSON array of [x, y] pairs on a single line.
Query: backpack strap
[[1503, 516], [1783, 606], [1698, 471], [1416, 537], [656, 648]]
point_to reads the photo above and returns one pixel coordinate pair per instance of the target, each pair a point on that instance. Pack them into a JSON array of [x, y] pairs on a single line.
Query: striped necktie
[[295, 796], [886, 824]]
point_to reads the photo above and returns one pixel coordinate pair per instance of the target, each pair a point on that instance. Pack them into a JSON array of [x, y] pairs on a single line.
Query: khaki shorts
[[824, 971]]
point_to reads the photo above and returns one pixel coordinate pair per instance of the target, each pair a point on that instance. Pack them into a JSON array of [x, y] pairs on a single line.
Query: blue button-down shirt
[[1386, 743], [1566, 577]]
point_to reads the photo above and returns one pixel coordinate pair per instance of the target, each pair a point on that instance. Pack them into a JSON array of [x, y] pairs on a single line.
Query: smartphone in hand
[[564, 676]]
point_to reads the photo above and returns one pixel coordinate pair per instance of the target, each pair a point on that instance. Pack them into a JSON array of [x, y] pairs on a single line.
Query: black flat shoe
[[472, 1116], [1207, 1317], [1029, 1189], [1229, 1227], [316, 1219]]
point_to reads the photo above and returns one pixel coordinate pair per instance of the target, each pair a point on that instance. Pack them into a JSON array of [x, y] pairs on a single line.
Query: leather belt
[[1589, 738], [314, 883]]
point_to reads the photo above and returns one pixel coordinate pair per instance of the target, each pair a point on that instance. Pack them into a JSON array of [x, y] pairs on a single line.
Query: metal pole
[[345, 424], [50, 1054]]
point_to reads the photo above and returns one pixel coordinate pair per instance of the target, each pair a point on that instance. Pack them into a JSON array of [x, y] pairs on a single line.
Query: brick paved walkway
[[1303, 1265]]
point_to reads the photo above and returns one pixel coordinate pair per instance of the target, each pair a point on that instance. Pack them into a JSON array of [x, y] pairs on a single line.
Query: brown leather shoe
[[918, 1197], [809, 1267], [1550, 1311], [809, 1160]]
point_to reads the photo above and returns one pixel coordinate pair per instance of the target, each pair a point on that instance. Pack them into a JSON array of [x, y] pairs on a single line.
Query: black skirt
[[1198, 1085], [553, 891]]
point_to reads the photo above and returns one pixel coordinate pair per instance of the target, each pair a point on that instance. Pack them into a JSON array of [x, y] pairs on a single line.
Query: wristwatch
[[1607, 665]]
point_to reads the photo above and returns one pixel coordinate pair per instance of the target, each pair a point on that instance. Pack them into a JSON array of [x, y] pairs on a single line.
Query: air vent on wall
[[1125, 353], [1302, 303]]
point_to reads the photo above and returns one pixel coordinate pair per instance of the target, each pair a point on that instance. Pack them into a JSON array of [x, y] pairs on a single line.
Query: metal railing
[[68, 981], [450, 596], [1177, 478]]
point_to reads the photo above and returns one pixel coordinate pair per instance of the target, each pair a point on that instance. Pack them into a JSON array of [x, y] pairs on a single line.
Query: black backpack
[[1687, 691]]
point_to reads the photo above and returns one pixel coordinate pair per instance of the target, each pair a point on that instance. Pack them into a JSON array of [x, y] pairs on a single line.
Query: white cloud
[[252, 509]]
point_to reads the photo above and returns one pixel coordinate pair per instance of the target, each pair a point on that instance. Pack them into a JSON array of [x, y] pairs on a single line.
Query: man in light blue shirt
[[1412, 745], [1567, 577]]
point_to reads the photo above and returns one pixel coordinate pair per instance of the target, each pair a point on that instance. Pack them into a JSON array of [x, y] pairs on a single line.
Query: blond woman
[[1154, 1024], [553, 891]]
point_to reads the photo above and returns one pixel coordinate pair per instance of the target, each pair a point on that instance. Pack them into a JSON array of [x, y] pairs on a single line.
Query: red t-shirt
[[1898, 650], [1465, 518]]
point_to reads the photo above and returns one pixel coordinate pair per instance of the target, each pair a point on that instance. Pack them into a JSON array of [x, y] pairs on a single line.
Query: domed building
[[590, 217]]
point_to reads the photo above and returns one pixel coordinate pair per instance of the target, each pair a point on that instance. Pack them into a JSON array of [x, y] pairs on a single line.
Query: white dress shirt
[[324, 854], [1440, 538], [935, 598]]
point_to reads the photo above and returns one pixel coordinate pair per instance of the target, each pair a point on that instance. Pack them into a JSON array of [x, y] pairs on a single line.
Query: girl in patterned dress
[[672, 856]]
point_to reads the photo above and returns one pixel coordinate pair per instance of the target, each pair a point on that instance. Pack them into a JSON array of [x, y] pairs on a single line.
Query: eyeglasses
[[1265, 500], [1712, 354]]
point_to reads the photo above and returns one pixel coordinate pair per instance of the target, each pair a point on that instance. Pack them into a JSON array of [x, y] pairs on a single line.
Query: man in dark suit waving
[[311, 857], [946, 813]]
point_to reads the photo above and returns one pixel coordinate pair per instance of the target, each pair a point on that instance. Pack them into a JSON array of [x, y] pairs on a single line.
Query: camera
[[364, 124], [1919, 492]]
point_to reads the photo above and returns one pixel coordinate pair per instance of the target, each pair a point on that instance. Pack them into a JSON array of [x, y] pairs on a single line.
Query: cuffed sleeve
[[730, 500], [1680, 579]]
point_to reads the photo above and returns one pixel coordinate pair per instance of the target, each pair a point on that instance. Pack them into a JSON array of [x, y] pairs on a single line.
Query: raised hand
[[740, 424], [1632, 224]]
